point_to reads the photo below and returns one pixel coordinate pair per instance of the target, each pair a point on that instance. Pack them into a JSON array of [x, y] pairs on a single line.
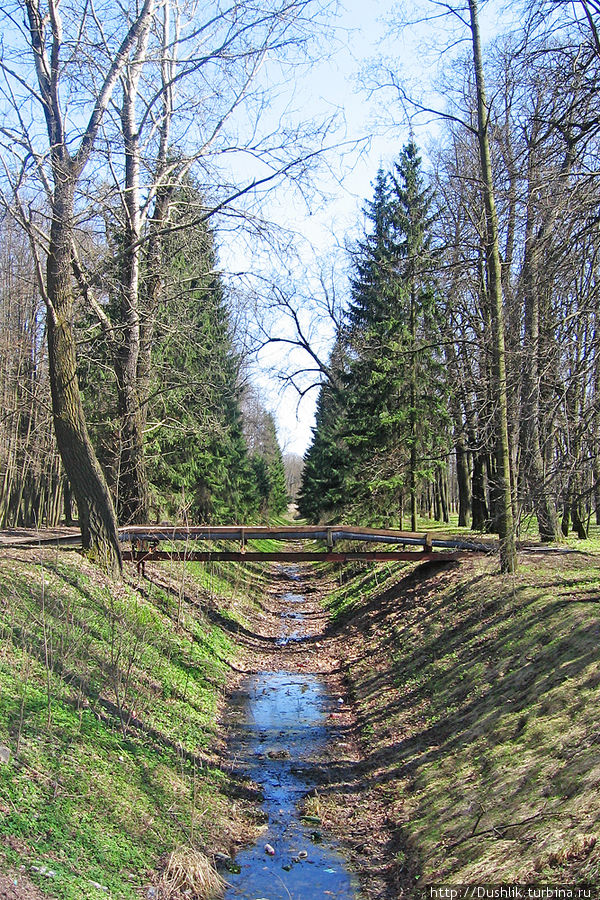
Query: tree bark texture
[[508, 554], [96, 512]]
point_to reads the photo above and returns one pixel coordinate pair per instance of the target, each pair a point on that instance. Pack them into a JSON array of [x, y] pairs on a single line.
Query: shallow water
[[282, 730]]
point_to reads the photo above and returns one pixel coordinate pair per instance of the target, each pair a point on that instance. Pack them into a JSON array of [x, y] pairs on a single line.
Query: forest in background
[[465, 370], [117, 327], [408, 420], [211, 447]]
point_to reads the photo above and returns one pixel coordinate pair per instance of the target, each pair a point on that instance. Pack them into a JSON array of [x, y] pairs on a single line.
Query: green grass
[[109, 702], [480, 695], [527, 532]]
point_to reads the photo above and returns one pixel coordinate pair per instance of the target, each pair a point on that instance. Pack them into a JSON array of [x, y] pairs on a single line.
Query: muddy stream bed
[[282, 727]]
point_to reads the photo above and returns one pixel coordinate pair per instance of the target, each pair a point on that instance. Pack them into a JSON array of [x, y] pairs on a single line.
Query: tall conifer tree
[[199, 461], [385, 438], [326, 464]]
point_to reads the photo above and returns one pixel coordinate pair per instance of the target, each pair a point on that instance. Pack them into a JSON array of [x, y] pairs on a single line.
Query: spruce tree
[[325, 473], [266, 460], [427, 407], [198, 459], [383, 436]]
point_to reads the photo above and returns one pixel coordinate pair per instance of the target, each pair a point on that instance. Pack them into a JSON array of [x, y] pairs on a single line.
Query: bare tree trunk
[[479, 501], [153, 284], [67, 502], [462, 475], [434, 490], [508, 554], [133, 481], [443, 489], [413, 411], [96, 512], [533, 462], [575, 404]]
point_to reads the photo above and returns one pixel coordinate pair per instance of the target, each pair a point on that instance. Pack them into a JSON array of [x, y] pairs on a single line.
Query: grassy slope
[[479, 701], [108, 702]]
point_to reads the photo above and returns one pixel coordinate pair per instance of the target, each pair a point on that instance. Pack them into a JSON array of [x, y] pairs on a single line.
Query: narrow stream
[[282, 730]]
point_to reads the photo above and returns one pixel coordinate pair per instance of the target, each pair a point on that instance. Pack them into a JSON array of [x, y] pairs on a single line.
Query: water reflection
[[282, 731]]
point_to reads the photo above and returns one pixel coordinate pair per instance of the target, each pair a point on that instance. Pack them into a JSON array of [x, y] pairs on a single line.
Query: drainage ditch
[[282, 729]]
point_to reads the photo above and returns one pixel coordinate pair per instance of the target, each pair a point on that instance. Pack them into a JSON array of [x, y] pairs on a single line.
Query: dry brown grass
[[581, 848], [190, 874]]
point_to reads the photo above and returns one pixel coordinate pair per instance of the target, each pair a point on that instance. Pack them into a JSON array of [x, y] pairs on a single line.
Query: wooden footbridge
[[180, 543], [254, 543]]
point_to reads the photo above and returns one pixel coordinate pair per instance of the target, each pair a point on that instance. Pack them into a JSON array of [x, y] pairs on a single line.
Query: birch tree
[[54, 71]]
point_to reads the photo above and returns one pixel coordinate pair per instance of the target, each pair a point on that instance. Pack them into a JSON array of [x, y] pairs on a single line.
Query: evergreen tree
[[325, 473], [374, 282], [266, 459], [199, 463], [383, 437], [427, 407]]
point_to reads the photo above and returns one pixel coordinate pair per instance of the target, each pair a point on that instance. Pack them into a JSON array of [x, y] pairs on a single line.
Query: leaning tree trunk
[[96, 512], [508, 553], [46, 44]]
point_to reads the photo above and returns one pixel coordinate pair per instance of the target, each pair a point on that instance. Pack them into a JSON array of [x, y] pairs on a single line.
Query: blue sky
[[324, 224], [333, 83]]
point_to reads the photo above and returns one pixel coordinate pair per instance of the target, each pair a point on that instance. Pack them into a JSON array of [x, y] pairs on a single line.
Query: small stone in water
[[269, 850], [302, 854], [340, 701]]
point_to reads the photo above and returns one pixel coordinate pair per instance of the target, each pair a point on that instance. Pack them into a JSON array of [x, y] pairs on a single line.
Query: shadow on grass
[[442, 667]]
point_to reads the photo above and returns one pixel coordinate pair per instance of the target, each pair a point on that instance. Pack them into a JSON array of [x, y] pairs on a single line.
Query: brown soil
[[18, 888]]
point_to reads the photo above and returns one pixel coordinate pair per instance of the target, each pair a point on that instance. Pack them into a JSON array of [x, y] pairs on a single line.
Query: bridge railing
[[145, 541]]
